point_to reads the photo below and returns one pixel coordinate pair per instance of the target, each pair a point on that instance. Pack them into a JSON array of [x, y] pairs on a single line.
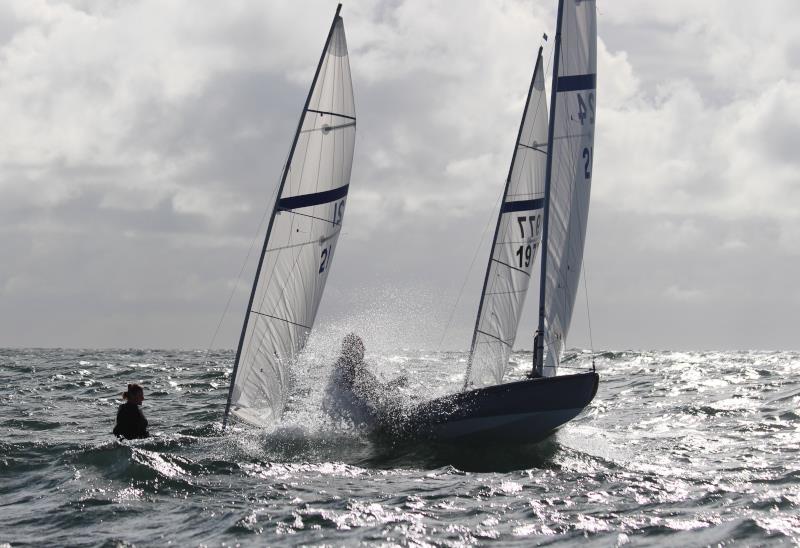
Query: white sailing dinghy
[[300, 241], [546, 201]]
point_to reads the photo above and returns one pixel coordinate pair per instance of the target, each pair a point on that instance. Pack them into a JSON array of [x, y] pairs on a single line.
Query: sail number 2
[[587, 162], [325, 258], [586, 114]]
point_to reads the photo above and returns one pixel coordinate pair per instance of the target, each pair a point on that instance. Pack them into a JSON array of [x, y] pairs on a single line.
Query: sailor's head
[[353, 348], [134, 394]]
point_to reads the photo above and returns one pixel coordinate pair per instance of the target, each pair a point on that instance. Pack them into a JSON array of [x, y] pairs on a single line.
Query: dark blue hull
[[518, 412]]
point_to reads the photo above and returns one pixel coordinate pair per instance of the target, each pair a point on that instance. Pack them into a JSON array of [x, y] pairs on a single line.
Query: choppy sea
[[678, 449]]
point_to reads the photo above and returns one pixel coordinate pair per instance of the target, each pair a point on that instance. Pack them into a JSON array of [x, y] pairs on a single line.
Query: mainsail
[[516, 240], [569, 174], [300, 242]]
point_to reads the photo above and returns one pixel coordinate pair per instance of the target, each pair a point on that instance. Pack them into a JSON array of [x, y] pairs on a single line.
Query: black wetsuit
[[131, 423]]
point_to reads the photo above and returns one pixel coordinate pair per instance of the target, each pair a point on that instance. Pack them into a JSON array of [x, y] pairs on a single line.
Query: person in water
[[356, 394], [131, 423]]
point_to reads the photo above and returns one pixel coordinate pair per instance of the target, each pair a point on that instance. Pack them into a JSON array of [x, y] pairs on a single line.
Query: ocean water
[[678, 448]]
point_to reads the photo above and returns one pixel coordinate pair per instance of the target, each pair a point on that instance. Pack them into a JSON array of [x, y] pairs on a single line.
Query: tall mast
[[538, 355], [274, 211], [500, 213]]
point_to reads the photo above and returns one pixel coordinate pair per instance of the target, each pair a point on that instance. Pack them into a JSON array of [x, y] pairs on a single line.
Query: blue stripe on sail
[[522, 205], [577, 82], [308, 200]]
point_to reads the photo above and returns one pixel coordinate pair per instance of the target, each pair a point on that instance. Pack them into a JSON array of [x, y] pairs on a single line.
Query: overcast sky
[[141, 142]]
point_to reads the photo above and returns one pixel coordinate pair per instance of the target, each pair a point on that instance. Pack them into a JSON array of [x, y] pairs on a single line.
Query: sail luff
[[274, 212], [539, 339], [503, 210]]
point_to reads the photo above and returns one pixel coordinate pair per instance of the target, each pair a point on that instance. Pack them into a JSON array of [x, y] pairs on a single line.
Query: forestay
[[301, 241], [516, 240], [573, 119]]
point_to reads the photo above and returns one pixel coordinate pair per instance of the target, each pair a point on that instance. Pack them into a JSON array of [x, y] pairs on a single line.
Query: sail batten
[[340, 115], [516, 240], [300, 241]]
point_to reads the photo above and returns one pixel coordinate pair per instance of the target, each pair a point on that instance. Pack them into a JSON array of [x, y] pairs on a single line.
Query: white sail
[[515, 243], [301, 241], [573, 122]]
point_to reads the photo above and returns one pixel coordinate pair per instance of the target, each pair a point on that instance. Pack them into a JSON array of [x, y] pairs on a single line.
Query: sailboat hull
[[518, 412]]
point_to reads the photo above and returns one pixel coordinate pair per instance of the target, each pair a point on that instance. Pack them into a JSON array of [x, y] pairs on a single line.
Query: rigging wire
[[588, 313], [492, 214], [469, 271], [241, 270]]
